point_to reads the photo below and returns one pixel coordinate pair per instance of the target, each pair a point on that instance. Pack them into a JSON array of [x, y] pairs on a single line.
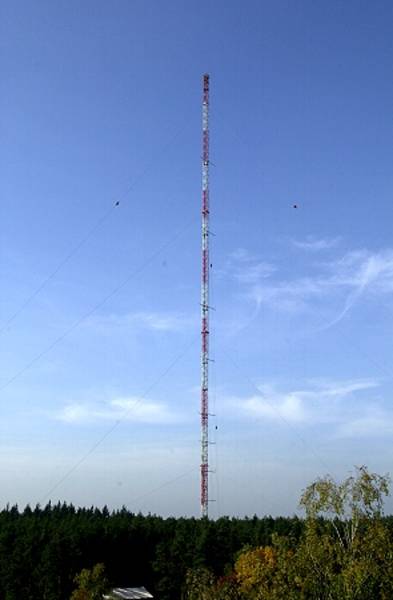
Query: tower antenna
[[205, 304]]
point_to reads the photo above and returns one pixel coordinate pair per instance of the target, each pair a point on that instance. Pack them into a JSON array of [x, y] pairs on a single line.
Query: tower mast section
[[205, 304]]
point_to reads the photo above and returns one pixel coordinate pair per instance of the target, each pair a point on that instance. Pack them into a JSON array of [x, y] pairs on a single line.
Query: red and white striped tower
[[205, 304]]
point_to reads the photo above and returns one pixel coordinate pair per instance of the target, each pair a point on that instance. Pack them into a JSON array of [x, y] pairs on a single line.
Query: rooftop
[[129, 593]]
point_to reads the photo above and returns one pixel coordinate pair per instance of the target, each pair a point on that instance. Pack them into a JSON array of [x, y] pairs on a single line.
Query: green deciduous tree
[[346, 550], [359, 498]]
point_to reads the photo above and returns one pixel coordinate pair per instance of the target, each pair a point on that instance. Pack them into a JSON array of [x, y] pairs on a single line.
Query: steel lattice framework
[[205, 304]]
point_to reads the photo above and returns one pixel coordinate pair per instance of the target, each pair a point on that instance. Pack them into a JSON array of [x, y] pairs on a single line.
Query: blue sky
[[99, 375]]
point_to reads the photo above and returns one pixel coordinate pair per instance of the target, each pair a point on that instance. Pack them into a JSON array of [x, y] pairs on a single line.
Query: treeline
[[43, 549]]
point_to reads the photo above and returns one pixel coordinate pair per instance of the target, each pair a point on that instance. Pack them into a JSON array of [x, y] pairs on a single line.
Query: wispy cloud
[[252, 273], [289, 407], [161, 321], [246, 268], [360, 268], [288, 295], [318, 402], [313, 244], [153, 321], [375, 422], [342, 389], [131, 408], [359, 272], [349, 277]]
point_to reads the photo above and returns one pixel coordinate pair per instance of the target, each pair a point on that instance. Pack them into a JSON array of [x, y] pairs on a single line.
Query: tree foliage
[[345, 551], [43, 549], [359, 498], [91, 584]]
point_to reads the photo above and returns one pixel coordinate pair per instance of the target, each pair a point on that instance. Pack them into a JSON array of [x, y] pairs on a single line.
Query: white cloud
[[288, 407], [290, 295], [253, 272], [318, 402], [344, 388], [361, 272], [130, 408], [315, 245], [369, 425], [73, 413], [241, 255], [246, 268], [361, 268], [161, 322], [153, 321], [349, 278]]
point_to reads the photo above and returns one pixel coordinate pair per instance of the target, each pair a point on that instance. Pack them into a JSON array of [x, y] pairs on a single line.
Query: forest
[[43, 549], [342, 548]]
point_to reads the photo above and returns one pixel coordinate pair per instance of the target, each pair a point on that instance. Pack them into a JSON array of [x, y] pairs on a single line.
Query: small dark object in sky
[[117, 203], [211, 265], [216, 426], [295, 206]]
